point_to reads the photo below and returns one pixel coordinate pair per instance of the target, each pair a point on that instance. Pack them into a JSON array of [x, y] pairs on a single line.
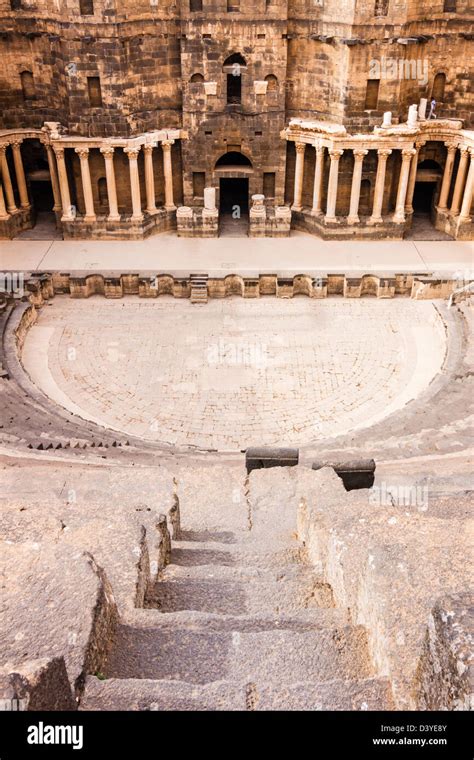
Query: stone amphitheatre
[[236, 355]]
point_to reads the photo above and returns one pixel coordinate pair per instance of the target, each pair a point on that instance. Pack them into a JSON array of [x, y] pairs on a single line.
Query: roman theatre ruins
[[236, 355]]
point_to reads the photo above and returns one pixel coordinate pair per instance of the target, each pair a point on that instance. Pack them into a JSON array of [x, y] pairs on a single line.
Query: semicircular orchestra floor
[[234, 372]]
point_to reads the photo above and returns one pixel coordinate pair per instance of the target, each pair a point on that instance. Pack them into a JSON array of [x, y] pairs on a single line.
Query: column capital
[[3, 149], [59, 151], [82, 152], [167, 144], [300, 147], [335, 153], [384, 153], [359, 153], [464, 149], [451, 146], [148, 149], [16, 142], [132, 152], [107, 151], [408, 153], [318, 148]]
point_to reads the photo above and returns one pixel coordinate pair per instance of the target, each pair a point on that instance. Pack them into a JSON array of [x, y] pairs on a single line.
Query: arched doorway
[[233, 169]]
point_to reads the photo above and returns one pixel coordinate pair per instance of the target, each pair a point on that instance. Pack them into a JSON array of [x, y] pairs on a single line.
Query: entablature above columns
[[53, 134], [396, 137]]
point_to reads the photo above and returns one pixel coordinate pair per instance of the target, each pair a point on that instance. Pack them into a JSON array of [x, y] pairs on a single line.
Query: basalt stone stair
[[198, 288], [239, 620]]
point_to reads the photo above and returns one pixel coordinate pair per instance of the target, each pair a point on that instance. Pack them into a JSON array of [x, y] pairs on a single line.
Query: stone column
[[108, 154], [412, 179], [332, 185], [67, 214], [132, 154], [383, 154], [407, 156], [168, 170], [299, 169], [149, 180], [353, 217], [7, 183], [447, 176], [54, 178], [20, 174], [83, 154], [468, 191], [318, 181], [460, 177], [3, 209]]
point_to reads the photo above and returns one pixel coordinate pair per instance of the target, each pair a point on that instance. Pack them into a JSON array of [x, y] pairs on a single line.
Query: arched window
[[27, 85], [439, 85], [102, 191], [272, 83], [197, 78], [86, 7], [233, 158], [235, 58], [233, 66]]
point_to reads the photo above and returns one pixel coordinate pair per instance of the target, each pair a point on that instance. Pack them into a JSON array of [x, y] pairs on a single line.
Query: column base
[[171, 207], [151, 211], [89, 219], [138, 218], [12, 209], [4, 217], [316, 212], [353, 220], [297, 208], [113, 218], [375, 220], [399, 219], [68, 218], [331, 220], [25, 206]]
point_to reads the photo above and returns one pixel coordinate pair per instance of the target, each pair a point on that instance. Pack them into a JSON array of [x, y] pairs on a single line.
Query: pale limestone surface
[[301, 253], [237, 373]]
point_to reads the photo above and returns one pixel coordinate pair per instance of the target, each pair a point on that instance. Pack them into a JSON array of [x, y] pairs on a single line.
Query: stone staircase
[[239, 620], [198, 288]]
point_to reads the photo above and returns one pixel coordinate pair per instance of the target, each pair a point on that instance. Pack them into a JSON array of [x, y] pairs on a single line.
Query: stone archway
[[233, 170]]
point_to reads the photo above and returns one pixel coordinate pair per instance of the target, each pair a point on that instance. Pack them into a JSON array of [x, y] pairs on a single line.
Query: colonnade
[[132, 152], [462, 193], [56, 155], [8, 204]]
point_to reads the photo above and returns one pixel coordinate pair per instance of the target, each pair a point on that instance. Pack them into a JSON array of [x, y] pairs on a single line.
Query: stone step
[[145, 694], [310, 619], [270, 656], [239, 590]]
